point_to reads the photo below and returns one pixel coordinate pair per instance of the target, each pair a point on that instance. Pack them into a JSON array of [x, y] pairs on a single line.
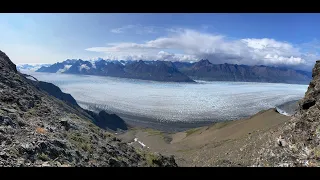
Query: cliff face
[[37, 129], [297, 143]]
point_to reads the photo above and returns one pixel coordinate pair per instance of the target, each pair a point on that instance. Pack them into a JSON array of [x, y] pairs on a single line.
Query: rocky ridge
[[39, 130], [101, 118], [297, 143]]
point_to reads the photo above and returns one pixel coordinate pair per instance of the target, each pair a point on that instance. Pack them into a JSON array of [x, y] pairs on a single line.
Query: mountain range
[[205, 70], [180, 71], [42, 126], [31, 67]]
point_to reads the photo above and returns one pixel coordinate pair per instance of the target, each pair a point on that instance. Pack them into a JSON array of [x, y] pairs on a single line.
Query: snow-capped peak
[[96, 59], [70, 61]]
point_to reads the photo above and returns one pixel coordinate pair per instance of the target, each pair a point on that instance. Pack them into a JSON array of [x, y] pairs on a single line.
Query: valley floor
[[230, 143]]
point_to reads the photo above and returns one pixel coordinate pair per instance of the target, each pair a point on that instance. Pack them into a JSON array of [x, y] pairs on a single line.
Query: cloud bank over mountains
[[193, 45]]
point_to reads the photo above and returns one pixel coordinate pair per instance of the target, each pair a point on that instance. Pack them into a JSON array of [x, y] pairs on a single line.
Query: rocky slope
[[39, 130], [102, 119], [297, 143], [205, 70], [229, 143]]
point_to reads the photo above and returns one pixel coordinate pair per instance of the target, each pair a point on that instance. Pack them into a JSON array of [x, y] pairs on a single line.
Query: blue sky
[[269, 39]]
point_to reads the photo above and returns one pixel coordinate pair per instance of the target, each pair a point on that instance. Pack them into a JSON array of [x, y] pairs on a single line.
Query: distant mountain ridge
[[153, 70], [205, 70], [168, 71], [31, 67]]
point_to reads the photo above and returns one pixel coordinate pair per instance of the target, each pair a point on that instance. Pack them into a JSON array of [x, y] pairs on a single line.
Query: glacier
[[174, 102]]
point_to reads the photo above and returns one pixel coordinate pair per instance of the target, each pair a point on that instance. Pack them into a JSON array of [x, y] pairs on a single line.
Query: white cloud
[[138, 29], [217, 48], [161, 55]]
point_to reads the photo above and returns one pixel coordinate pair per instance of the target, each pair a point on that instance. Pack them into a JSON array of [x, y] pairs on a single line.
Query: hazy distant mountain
[[180, 71], [57, 67], [149, 70], [205, 70], [30, 67]]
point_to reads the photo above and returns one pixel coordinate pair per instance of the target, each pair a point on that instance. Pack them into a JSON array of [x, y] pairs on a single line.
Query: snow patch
[[280, 111], [143, 145], [84, 66], [136, 140], [66, 67], [94, 65]]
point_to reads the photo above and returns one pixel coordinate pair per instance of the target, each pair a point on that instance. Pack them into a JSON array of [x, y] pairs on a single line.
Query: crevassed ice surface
[[173, 102]]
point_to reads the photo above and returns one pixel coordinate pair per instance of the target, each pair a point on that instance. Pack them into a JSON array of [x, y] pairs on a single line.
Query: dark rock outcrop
[[297, 143], [56, 92], [108, 121], [39, 130], [290, 108]]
